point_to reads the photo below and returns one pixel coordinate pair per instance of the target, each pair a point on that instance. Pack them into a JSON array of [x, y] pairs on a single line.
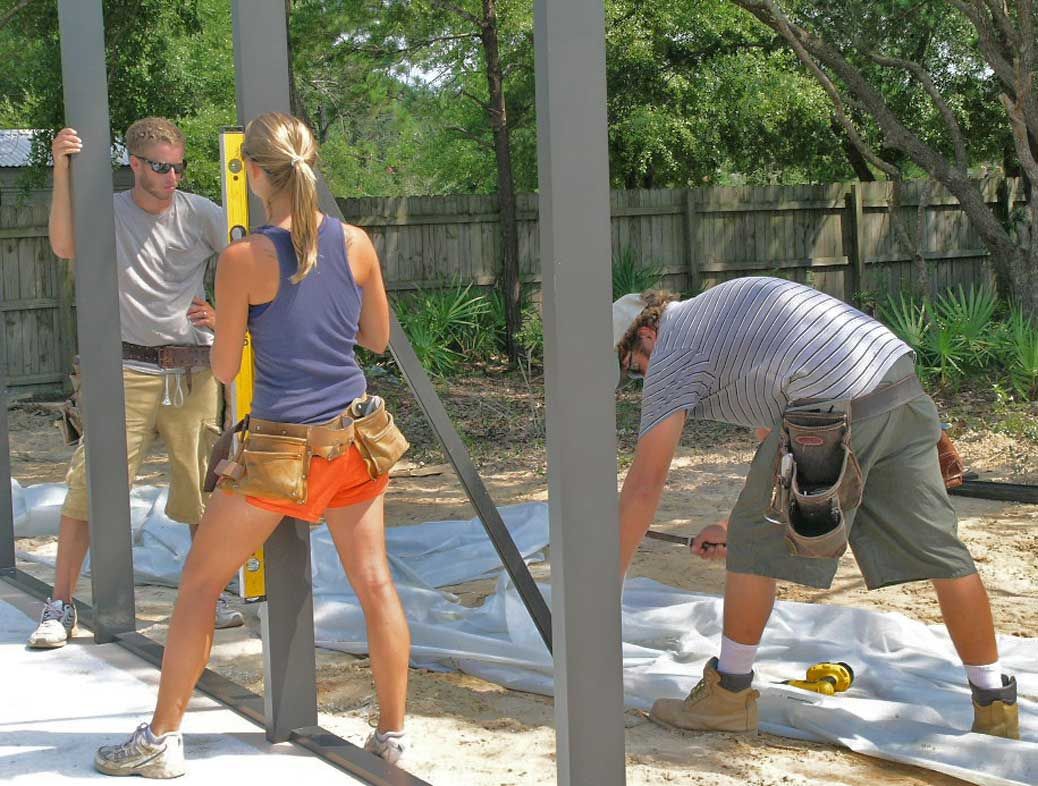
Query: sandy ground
[[468, 732]]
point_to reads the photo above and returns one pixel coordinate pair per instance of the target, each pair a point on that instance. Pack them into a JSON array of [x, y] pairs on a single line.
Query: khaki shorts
[[904, 530], [188, 431]]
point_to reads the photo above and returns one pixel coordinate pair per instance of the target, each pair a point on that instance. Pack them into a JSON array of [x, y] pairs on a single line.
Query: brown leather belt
[[168, 355]]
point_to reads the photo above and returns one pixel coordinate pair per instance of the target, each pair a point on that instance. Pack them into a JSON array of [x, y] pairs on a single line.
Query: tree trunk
[[1021, 267], [508, 278], [854, 156]]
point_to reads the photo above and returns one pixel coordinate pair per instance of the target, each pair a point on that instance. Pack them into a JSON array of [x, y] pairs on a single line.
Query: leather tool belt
[[817, 478], [169, 356], [273, 459]]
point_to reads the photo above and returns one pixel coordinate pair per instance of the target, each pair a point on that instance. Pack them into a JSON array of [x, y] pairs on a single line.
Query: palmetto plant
[[631, 276], [1023, 360]]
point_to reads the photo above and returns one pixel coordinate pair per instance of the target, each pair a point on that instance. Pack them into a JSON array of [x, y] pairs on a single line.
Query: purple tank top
[[303, 340]]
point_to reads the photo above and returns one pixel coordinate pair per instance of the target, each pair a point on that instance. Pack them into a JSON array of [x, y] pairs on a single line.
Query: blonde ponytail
[[283, 147], [304, 218]]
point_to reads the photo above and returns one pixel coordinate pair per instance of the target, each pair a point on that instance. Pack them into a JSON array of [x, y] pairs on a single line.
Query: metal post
[[290, 676], [6, 506], [97, 303], [289, 664], [573, 170]]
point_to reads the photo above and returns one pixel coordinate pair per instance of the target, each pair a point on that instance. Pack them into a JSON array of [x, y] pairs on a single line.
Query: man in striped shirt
[[741, 353]]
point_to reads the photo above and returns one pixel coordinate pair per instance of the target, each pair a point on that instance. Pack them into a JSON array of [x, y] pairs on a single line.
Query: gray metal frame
[[580, 414], [7, 558], [573, 168], [97, 308]]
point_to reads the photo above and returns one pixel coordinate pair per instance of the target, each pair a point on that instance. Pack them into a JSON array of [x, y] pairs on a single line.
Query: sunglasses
[[163, 167]]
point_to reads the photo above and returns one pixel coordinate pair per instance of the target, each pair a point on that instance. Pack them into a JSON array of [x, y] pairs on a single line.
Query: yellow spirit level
[[252, 585]]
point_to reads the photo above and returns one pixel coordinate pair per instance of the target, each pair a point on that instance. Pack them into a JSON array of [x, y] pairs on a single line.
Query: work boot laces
[[697, 692]]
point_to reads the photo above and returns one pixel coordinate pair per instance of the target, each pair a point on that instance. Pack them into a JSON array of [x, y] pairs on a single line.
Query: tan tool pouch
[[271, 466], [817, 482], [380, 442]]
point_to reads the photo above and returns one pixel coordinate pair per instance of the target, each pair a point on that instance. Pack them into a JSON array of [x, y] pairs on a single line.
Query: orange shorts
[[332, 484]]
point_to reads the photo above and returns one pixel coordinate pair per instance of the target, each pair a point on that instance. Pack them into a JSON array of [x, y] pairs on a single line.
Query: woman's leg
[[229, 532], [359, 535]]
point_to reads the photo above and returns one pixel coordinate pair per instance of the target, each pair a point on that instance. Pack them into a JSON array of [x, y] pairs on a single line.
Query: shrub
[[444, 325], [631, 276]]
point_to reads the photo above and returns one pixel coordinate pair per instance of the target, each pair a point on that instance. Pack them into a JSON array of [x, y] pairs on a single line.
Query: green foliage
[[444, 325], [630, 275], [1022, 349], [962, 333]]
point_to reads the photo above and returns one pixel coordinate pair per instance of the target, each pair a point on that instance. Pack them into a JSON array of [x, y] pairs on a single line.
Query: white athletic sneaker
[[144, 754], [226, 617], [56, 625], [389, 746]]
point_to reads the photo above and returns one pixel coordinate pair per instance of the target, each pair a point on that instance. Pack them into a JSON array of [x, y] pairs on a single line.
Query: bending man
[[749, 352]]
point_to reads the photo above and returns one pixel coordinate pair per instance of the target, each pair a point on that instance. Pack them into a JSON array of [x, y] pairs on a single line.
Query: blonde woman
[[309, 289]]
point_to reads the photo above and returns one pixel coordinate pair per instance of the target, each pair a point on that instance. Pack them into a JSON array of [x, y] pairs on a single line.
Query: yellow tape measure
[[252, 584]]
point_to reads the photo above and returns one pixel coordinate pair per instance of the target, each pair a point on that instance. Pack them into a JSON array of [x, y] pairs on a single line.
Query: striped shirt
[[742, 350]]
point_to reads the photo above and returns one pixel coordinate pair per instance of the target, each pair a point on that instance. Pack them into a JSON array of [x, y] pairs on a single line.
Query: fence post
[[854, 216], [691, 236]]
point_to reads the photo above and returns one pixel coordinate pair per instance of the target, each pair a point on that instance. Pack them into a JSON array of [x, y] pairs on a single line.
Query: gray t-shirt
[[742, 350], [162, 261]]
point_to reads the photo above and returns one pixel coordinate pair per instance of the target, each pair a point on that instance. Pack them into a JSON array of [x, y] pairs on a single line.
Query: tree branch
[[484, 143], [916, 70], [1021, 138], [785, 28], [896, 134], [1001, 18], [11, 12], [457, 10], [472, 97], [989, 46]]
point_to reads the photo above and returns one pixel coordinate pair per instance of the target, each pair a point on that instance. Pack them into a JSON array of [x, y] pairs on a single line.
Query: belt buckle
[[165, 357]]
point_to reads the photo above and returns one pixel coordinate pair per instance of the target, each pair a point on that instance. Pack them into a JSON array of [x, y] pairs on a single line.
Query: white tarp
[[909, 702]]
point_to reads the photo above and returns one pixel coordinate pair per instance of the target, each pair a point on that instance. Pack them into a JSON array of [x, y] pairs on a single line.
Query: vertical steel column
[[289, 662], [6, 506], [97, 304], [573, 169]]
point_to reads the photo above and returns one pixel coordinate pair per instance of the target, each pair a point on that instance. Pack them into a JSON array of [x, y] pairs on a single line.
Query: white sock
[[736, 658], [987, 677]]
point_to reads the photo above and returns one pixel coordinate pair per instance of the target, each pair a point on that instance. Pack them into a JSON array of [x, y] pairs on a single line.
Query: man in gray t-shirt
[[744, 352], [164, 239]]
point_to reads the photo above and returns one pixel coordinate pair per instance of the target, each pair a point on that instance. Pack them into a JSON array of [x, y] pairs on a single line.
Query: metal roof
[[16, 148]]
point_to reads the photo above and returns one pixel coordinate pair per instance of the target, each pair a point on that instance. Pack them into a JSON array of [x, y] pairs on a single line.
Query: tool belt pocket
[[378, 439], [271, 466], [817, 482]]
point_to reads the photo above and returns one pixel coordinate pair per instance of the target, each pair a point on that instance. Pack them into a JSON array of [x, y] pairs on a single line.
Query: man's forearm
[[60, 227], [637, 510]]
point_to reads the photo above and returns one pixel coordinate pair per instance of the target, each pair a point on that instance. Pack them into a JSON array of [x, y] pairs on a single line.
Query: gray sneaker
[[226, 617], [144, 755], [57, 622], [389, 746]]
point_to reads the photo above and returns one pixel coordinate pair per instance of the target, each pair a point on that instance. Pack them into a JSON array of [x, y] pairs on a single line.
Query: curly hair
[[656, 300], [150, 130]]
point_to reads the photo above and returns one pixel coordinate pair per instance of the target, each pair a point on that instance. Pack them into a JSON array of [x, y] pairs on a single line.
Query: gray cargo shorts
[[905, 528]]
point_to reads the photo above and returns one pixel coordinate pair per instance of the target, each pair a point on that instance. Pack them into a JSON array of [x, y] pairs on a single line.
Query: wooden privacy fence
[[838, 238], [37, 301]]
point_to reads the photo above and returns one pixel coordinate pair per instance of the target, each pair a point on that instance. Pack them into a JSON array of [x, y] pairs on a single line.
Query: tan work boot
[[709, 707], [995, 711]]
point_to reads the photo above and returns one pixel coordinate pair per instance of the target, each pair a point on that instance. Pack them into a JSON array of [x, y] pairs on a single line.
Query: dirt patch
[[467, 732]]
